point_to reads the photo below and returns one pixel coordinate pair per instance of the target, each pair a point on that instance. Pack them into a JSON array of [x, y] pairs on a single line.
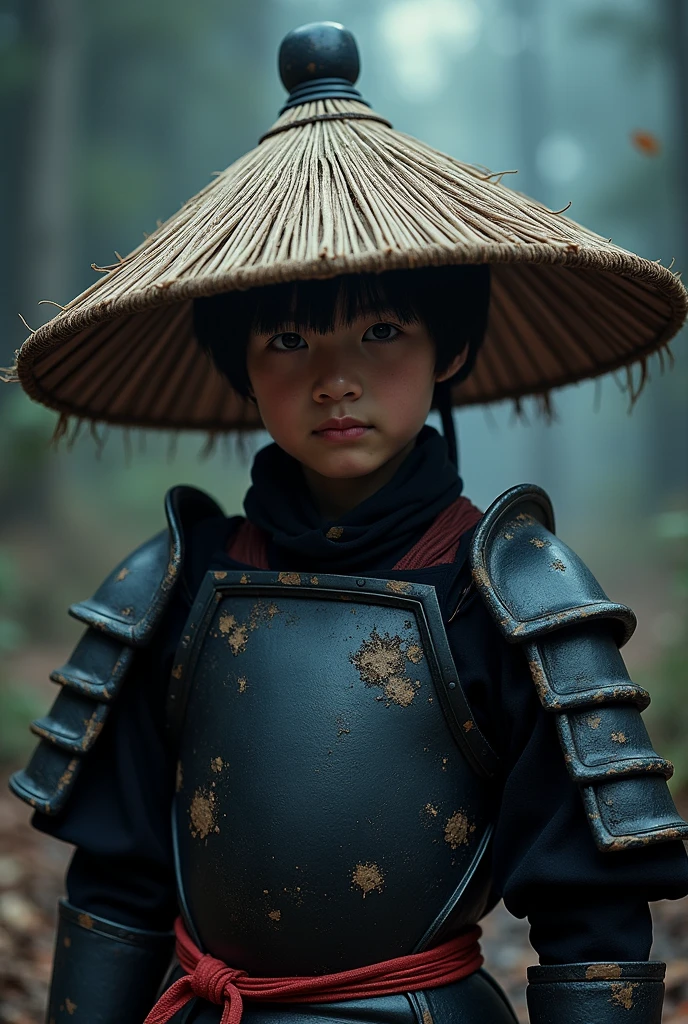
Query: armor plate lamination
[[326, 811]]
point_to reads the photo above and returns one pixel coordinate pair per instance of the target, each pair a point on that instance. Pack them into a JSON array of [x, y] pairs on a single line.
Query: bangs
[[322, 306], [451, 301]]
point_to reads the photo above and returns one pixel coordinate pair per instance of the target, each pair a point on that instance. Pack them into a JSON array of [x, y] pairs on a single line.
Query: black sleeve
[[583, 905], [118, 815]]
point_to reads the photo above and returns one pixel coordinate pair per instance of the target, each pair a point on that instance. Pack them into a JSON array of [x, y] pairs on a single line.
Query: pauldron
[[541, 595], [122, 618]]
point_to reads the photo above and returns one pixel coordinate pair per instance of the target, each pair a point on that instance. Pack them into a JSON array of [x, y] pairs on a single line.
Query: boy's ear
[[454, 367]]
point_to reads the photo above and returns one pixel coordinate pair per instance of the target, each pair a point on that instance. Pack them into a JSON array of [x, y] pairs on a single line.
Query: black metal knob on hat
[[319, 61], [321, 49]]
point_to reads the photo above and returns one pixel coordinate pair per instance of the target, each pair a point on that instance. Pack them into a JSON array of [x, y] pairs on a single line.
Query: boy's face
[[345, 403]]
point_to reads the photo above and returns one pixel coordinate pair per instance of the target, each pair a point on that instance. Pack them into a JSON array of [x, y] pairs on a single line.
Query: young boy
[[371, 711]]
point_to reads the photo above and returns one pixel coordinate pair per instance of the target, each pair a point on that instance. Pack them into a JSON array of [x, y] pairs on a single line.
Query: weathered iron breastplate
[[334, 802]]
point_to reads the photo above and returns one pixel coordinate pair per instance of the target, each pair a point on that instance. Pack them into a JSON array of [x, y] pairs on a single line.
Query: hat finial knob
[[321, 49]]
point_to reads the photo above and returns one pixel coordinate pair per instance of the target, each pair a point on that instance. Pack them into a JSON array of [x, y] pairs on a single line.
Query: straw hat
[[331, 189]]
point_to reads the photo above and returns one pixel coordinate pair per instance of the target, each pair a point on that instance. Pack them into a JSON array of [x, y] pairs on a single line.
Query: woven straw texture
[[343, 196]]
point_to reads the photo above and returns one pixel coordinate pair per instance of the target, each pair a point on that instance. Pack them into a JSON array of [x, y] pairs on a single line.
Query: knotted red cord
[[214, 981]]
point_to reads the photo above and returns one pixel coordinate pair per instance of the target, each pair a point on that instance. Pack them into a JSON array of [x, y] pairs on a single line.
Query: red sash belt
[[224, 986]]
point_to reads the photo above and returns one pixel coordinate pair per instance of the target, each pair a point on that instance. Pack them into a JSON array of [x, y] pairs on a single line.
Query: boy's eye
[[381, 332], [287, 341]]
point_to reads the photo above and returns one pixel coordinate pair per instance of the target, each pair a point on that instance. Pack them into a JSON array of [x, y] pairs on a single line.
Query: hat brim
[[566, 304]]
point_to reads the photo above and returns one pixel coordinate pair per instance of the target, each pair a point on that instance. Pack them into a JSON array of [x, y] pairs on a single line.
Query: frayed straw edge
[[630, 380], [10, 374], [69, 428]]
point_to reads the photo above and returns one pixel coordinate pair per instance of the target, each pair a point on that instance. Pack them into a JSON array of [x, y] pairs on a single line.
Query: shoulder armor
[[542, 595], [122, 616]]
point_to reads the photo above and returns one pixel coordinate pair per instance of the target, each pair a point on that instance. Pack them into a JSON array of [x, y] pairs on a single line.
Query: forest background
[[112, 115]]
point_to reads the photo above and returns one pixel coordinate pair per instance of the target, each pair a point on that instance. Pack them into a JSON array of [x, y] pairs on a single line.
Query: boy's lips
[[345, 429]]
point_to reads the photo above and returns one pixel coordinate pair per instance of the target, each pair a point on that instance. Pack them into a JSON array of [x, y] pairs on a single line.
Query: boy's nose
[[335, 387]]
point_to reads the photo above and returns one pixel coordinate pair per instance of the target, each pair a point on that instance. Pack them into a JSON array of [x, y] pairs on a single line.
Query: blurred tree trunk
[[48, 209], [666, 445], [46, 219], [532, 119], [671, 449], [676, 17]]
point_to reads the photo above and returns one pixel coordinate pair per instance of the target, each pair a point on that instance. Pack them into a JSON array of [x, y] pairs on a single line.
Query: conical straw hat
[[333, 189]]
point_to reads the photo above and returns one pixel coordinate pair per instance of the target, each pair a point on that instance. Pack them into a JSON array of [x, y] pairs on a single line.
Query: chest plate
[[333, 794]]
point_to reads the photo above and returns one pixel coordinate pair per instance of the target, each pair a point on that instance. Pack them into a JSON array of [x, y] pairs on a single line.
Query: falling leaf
[[646, 143]]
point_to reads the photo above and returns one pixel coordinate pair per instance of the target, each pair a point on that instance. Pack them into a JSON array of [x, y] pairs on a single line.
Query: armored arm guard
[[542, 595], [121, 617], [615, 993], [104, 972]]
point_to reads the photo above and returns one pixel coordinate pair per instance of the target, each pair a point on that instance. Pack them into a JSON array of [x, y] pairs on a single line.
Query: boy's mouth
[[345, 429]]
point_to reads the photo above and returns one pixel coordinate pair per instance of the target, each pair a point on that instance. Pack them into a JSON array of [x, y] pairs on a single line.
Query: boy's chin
[[346, 465]]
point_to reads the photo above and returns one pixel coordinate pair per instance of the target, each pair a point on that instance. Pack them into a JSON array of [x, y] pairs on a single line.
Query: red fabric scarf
[[214, 981], [249, 545]]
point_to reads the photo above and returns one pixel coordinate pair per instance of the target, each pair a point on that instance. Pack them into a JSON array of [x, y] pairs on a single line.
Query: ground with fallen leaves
[[31, 872]]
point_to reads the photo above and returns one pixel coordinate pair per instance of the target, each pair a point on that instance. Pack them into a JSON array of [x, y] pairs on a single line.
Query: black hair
[[452, 302]]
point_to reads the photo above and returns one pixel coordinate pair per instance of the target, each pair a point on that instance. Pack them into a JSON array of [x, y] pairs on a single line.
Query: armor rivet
[[360, 583], [452, 685]]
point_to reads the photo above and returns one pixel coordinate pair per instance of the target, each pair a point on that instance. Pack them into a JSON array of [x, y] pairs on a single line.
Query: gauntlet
[[104, 973], [596, 993]]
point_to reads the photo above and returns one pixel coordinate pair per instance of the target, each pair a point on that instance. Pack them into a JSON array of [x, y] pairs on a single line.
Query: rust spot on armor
[[508, 536], [93, 729], [217, 764], [262, 613], [603, 972], [538, 542], [70, 1007], [414, 653], [619, 737], [368, 877], [275, 915], [315, 581], [202, 814], [122, 575], [179, 779], [236, 633], [244, 579], [177, 672], [126, 612], [558, 565], [67, 774], [481, 577], [290, 579], [342, 726], [458, 830], [431, 810], [427, 1017], [85, 920], [399, 586], [334, 532], [67, 941], [381, 662], [468, 725], [594, 721], [242, 683], [400, 691], [539, 679], [622, 995], [220, 575]]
